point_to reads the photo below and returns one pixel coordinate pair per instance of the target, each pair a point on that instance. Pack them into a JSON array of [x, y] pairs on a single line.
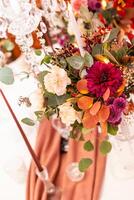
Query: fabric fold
[[48, 151]]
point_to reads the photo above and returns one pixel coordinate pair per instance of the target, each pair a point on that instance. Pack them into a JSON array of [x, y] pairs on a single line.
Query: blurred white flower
[[56, 81], [37, 100], [68, 114]]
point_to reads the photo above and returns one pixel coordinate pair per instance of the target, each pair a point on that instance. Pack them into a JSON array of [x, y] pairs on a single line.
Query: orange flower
[[89, 121], [103, 113], [85, 102], [95, 108], [82, 86]]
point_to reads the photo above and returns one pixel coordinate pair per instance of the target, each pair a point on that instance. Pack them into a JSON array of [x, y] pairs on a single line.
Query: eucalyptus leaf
[[112, 130], [6, 75], [63, 62], [46, 59], [8, 45], [75, 62], [40, 78], [28, 121], [54, 100], [105, 147], [39, 114], [38, 52], [88, 59], [84, 164], [88, 146]]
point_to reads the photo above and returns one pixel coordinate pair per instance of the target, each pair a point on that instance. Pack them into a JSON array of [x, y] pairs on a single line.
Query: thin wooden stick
[[34, 156]]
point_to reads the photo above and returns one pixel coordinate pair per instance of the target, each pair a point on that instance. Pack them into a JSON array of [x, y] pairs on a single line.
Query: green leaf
[[54, 100], [8, 45], [46, 59], [120, 53], [84, 164], [108, 14], [113, 34], [105, 147], [6, 75], [112, 130], [28, 121], [39, 114], [40, 78], [97, 49], [88, 59], [88, 146], [110, 56], [75, 62], [63, 62], [38, 52]]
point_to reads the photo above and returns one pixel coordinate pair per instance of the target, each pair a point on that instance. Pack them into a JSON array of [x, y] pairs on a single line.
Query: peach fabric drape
[[48, 151]]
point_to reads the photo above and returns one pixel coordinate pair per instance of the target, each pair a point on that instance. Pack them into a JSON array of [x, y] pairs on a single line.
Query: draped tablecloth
[[48, 150]]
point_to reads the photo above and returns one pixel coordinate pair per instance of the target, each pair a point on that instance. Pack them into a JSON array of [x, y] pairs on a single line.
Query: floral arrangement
[[90, 91], [87, 84]]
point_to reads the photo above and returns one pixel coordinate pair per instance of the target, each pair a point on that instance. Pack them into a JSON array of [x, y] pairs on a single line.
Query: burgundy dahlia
[[102, 76]]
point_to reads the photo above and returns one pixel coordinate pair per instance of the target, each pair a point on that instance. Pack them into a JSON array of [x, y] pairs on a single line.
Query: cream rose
[[56, 81], [68, 114]]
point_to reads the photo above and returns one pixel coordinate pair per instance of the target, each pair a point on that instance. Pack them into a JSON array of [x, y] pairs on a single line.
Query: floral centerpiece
[[89, 91], [87, 83]]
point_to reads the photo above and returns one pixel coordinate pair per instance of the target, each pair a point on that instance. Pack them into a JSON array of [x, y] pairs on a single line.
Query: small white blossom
[[56, 81], [68, 114]]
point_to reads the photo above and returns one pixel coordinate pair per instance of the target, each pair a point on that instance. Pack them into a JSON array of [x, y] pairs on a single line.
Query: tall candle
[[34, 156], [75, 29]]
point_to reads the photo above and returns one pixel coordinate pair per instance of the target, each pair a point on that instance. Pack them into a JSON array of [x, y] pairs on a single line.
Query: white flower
[[68, 114], [56, 81], [37, 100]]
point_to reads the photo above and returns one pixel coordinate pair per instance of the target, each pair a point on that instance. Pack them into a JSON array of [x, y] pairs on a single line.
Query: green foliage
[[109, 14], [8, 45], [109, 55], [28, 121], [88, 146], [38, 52], [39, 115], [46, 59], [105, 147], [76, 62], [6, 75], [113, 34], [97, 49], [40, 78], [120, 53], [63, 62], [84, 164], [53, 100], [112, 130], [88, 59]]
